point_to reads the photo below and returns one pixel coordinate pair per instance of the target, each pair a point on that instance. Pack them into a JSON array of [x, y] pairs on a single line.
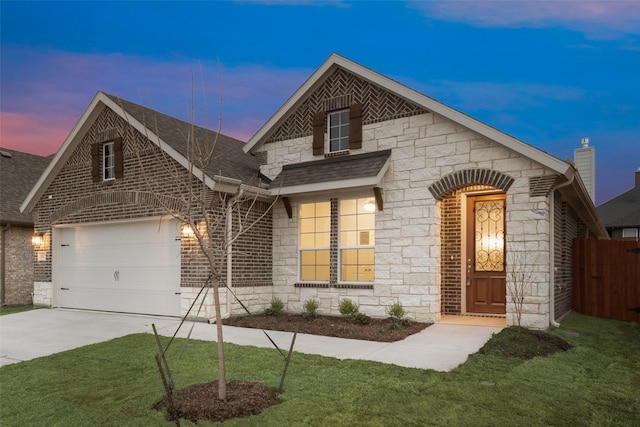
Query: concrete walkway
[[38, 333]]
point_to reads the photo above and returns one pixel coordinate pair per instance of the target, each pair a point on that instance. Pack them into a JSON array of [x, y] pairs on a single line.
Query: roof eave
[[344, 184], [64, 152], [579, 198]]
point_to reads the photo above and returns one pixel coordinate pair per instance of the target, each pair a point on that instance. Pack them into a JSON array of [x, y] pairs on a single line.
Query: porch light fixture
[[187, 231], [369, 206], [37, 240]]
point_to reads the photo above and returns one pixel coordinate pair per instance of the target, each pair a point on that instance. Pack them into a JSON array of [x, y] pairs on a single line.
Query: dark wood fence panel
[[606, 278]]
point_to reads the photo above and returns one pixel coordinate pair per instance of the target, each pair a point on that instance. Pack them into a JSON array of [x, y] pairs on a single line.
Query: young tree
[[520, 276], [216, 209]]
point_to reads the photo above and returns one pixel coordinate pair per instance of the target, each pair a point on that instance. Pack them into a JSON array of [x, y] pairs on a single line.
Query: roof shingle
[[19, 172]]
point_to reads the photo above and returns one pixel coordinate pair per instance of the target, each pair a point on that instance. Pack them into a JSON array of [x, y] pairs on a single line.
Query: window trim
[[335, 248], [344, 129], [108, 171], [320, 128], [315, 248], [98, 161], [358, 246]]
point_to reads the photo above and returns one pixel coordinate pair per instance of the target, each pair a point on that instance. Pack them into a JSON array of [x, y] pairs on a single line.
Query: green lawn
[[16, 309], [596, 383]]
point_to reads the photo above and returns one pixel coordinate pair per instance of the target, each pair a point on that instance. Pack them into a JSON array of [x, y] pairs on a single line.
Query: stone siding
[[409, 252]]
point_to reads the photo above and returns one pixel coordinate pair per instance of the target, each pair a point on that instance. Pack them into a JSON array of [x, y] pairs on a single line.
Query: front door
[[486, 277]]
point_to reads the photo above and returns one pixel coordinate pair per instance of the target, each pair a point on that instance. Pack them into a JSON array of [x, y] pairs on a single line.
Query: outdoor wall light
[[369, 206], [187, 231], [37, 240]]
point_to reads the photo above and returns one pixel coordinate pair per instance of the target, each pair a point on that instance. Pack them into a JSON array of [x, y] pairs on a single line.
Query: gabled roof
[[361, 170], [624, 210], [334, 61], [18, 173], [230, 164]]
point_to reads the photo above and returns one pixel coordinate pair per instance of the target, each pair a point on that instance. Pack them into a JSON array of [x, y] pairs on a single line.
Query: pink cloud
[[45, 93], [34, 133], [595, 18]]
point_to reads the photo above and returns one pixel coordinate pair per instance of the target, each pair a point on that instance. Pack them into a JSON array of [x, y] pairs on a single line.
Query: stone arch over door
[[467, 177], [451, 191]]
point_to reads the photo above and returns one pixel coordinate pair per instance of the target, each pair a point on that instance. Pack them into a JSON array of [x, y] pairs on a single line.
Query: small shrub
[[348, 309], [361, 318], [276, 307], [310, 309], [398, 313]]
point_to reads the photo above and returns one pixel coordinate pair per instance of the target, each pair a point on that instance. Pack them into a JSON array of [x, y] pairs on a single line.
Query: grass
[[115, 383], [16, 309]]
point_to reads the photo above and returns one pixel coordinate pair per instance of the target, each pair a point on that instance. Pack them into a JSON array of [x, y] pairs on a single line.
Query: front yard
[[115, 383]]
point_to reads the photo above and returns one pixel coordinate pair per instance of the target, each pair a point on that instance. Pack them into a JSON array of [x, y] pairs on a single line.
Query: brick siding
[[73, 198], [18, 271]]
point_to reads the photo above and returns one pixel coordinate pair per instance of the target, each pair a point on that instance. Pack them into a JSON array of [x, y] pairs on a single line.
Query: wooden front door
[[485, 240]]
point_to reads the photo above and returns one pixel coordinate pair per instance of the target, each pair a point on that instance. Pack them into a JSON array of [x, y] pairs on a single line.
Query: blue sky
[[547, 72]]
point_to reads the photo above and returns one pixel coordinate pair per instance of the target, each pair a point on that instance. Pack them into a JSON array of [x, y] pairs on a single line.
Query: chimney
[[585, 161], [638, 179]]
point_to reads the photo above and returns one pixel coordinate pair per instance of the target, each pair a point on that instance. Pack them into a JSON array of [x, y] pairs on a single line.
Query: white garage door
[[125, 267]]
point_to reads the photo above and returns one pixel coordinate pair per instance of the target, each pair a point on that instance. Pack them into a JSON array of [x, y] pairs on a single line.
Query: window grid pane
[[108, 161], [315, 236], [357, 239], [339, 131]]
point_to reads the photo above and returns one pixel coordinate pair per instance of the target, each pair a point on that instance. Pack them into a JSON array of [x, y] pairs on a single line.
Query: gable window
[[108, 161], [338, 131], [315, 241], [357, 240], [344, 129]]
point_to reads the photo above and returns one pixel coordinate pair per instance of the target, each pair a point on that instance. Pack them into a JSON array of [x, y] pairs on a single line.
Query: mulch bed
[[377, 330], [200, 401]]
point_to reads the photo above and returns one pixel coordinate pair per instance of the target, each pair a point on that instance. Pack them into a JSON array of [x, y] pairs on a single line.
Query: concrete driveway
[[37, 333]]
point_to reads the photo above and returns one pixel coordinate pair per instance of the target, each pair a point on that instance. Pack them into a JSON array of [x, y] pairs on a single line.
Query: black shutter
[[318, 133], [118, 157], [95, 162], [355, 126]]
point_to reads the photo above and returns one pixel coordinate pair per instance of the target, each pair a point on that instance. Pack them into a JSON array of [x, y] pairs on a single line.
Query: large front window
[[349, 255], [315, 241], [339, 131]]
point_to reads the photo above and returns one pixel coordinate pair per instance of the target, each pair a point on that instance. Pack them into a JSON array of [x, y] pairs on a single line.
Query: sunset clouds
[[546, 72]]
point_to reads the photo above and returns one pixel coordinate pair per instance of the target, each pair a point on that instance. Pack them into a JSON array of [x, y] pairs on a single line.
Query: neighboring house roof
[[333, 173], [624, 210], [230, 163], [18, 173]]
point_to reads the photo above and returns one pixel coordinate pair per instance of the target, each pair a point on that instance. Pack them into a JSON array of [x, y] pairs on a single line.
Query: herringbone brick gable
[[339, 90]]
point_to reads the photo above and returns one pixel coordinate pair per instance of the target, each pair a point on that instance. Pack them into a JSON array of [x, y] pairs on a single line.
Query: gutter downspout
[[552, 243], [229, 230], [3, 272]]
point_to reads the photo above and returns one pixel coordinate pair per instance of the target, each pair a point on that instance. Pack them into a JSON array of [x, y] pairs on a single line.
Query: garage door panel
[[127, 267]]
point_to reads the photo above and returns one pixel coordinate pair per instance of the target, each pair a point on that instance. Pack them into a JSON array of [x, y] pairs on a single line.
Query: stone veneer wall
[[17, 267], [408, 250], [73, 198]]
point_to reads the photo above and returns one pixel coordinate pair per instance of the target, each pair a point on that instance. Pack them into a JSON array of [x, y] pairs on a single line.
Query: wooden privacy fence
[[606, 278]]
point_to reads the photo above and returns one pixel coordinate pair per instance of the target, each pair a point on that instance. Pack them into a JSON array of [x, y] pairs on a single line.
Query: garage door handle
[[177, 293], [64, 289]]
